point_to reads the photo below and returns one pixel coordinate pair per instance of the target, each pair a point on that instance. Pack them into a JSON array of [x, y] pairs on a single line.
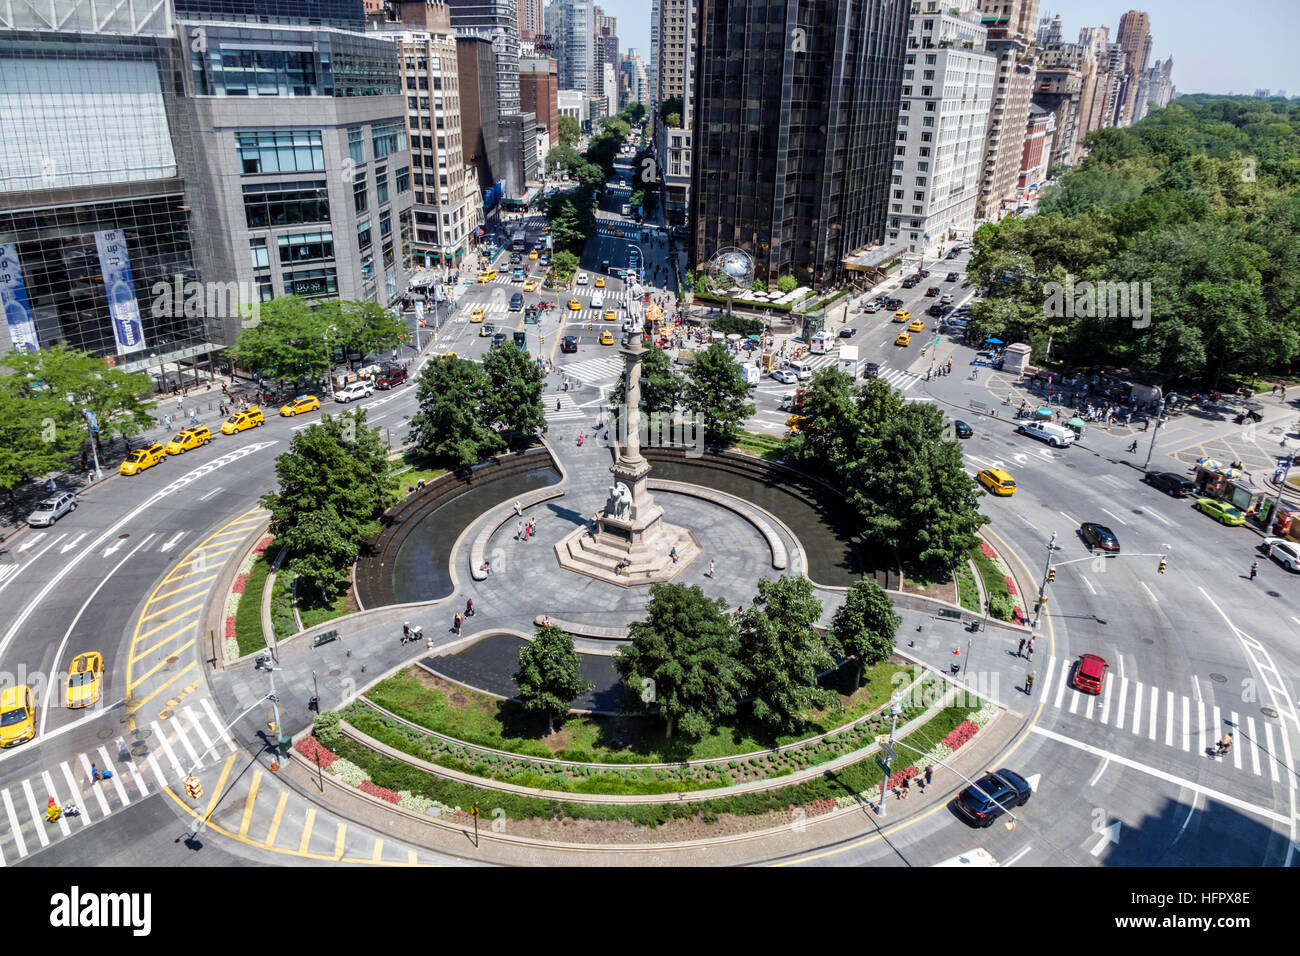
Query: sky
[[1217, 47]]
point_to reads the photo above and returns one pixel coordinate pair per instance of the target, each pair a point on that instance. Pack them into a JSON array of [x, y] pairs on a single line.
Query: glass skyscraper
[[796, 107]]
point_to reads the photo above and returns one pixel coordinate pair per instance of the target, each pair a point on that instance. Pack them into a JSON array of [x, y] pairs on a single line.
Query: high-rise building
[[99, 204], [605, 51], [1049, 30], [638, 83], [530, 20], [538, 86], [1134, 38], [947, 89], [675, 80], [1058, 89], [793, 141], [652, 68], [569, 24], [1009, 23], [1035, 155], [344, 14]]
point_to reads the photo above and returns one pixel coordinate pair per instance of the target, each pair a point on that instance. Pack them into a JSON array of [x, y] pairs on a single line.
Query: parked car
[[188, 438], [1099, 536], [143, 458], [953, 253], [52, 509], [1284, 551], [1174, 485], [1220, 511], [391, 375], [1090, 674], [997, 481], [945, 299], [1058, 436], [935, 310], [992, 795], [303, 403], [872, 306]]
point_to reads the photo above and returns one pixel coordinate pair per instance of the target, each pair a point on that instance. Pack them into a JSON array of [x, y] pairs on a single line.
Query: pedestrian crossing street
[[1146, 711], [192, 739], [604, 370], [900, 379], [567, 410]]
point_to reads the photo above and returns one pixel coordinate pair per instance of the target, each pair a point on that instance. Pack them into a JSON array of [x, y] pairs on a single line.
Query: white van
[[1058, 436], [598, 300], [751, 375], [800, 368]]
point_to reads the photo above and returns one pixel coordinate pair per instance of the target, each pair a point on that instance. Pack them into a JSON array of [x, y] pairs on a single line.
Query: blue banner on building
[[128, 328], [13, 297]]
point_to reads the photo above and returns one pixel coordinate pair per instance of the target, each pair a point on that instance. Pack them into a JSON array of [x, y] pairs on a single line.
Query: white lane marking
[[67, 635], [1236, 751], [184, 740], [34, 558], [73, 543], [112, 531], [1158, 516], [1154, 599], [171, 542], [1200, 726], [116, 779], [38, 818], [1188, 819], [1266, 812], [1014, 858], [1119, 710], [1092, 700], [216, 722], [1067, 517], [1115, 516], [1272, 752], [14, 826], [76, 794], [94, 786], [1137, 707], [1169, 718], [1155, 713], [1084, 578], [1060, 687], [167, 749], [1100, 770], [1111, 480], [49, 788], [1047, 676], [1217, 732], [157, 770], [1074, 702], [194, 719], [215, 491], [1105, 705], [1187, 724], [1252, 740]]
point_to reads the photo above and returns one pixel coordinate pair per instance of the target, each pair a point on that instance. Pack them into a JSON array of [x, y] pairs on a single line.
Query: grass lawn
[[410, 468], [995, 582], [765, 446], [314, 609], [248, 615], [476, 718], [281, 605], [970, 595]]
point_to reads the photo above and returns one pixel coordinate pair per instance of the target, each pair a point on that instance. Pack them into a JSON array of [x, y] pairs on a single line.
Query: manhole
[[120, 536], [1138, 511], [1070, 464], [1011, 443], [1147, 640], [139, 748], [1272, 593], [1218, 678], [335, 673], [1268, 711], [141, 733], [173, 659], [104, 734]]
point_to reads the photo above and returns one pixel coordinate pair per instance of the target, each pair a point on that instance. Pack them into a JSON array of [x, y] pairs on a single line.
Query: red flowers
[[311, 748], [988, 551], [263, 544], [896, 779], [241, 581], [382, 793], [230, 627], [818, 807], [1011, 585], [959, 735]]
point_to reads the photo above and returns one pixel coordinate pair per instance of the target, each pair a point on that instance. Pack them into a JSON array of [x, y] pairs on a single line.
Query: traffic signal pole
[[1047, 576], [198, 761]]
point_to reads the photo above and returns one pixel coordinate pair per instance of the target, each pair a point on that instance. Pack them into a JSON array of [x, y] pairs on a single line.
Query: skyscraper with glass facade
[[795, 114]]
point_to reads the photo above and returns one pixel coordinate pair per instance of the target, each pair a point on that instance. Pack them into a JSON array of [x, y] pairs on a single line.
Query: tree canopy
[[864, 626], [549, 675], [782, 655], [717, 392], [450, 425]]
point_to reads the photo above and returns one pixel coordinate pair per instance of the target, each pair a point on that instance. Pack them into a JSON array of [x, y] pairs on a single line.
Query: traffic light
[[1051, 574], [193, 788], [1042, 600], [1163, 564]]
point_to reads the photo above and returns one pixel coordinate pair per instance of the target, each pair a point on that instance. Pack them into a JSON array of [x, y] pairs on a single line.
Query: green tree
[[758, 285], [781, 653], [361, 326], [563, 265], [685, 649], [569, 130], [564, 156], [288, 340], [661, 387], [832, 434], [450, 425], [334, 483], [549, 676], [864, 626], [39, 432], [672, 106], [787, 284], [703, 285], [716, 390], [514, 394]]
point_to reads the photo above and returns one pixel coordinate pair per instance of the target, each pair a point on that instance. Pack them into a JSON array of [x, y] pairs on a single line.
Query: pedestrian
[[180, 403], [929, 773], [1029, 683], [456, 623], [905, 789], [1254, 569], [1133, 445], [167, 422], [53, 486], [1021, 648], [673, 554], [518, 508], [557, 403], [487, 567], [711, 569], [1284, 393], [519, 529], [94, 773], [1029, 649]]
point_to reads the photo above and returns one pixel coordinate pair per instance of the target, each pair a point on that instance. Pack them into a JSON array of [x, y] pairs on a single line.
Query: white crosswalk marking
[[1252, 740], [38, 818], [221, 727], [167, 749], [1155, 703], [1119, 710], [49, 788], [1137, 708], [157, 770], [1236, 751], [116, 779], [76, 793], [14, 827], [1272, 752], [1187, 724], [95, 788], [595, 370], [568, 410], [1169, 727], [1060, 687], [1200, 724], [194, 719], [1047, 679], [6, 570]]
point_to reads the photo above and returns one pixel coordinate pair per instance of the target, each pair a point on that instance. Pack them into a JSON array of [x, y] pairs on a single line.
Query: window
[[280, 151], [403, 179], [381, 189], [356, 148], [305, 247], [385, 223], [310, 283], [264, 290], [286, 204], [258, 249], [388, 138], [363, 234], [359, 202]]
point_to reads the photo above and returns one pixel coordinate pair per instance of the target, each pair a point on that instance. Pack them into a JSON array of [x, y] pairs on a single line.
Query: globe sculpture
[[731, 270]]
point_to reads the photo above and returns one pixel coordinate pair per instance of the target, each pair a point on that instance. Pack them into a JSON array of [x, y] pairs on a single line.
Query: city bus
[[518, 241]]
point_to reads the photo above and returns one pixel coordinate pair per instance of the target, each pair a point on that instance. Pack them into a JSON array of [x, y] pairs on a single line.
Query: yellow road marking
[[169, 607], [167, 623], [170, 637], [202, 557], [249, 803], [137, 704], [412, 859], [184, 587], [378, 855], [306, 832], [162, 662], [339, 837], [220, 787], [277, 817]]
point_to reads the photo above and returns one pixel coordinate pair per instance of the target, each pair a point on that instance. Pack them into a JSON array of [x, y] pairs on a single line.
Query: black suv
[[892, 304], [992, 795], [932, 291], [910, 282], [1172, 484], [570, 344], [952, 277], [935, 310]]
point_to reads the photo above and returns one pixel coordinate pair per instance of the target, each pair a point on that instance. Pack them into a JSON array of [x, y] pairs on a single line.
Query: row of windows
[[286, 204], [388, 138], [281, 151]]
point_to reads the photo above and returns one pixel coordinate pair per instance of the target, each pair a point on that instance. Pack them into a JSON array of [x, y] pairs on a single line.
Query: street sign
[[882, 765], [890, 752]]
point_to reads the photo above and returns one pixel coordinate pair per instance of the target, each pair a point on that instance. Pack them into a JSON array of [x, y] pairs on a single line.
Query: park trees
[[513, 399], [864, 626], [450, 425], [717, 392], [549, 677], [781, 654]]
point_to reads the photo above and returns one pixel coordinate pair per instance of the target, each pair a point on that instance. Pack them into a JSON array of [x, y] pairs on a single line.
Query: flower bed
[[1005, 601], [243, 633]]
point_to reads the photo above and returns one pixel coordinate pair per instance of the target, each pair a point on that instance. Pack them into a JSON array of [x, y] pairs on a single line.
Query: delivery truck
[[848, 360]]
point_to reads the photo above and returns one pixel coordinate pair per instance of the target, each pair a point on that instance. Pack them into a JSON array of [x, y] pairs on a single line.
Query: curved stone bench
[[585, 630], [780, 559], [478, 550]]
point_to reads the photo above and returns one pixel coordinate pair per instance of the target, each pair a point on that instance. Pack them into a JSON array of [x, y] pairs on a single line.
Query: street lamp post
[[1042, 585], [1160, 420]]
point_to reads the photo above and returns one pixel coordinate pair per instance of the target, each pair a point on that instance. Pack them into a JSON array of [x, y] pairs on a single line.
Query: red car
[[1090, 675]]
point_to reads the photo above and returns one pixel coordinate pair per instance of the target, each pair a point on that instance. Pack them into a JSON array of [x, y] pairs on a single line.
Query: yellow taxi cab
[[607, 337], [142, 458], [188, 438], [531, 284], [997, 481], [918, 325], [487, 276], [303, 403], [902, 315], [17, 715], [610, 316], [83, 679], [600, 282], [794, 422], [476, 314], [533, 255], [242, 421], [574, 305], [903, 339], [446, 355]]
